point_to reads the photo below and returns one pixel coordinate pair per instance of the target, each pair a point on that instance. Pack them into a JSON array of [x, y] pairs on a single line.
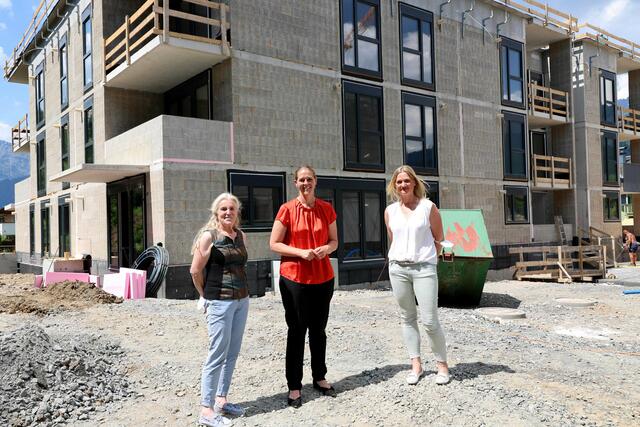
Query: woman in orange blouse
[[304, 234]]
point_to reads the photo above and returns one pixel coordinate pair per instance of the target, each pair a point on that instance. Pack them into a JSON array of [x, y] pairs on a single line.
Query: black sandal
[[326, 391], [294, 403]]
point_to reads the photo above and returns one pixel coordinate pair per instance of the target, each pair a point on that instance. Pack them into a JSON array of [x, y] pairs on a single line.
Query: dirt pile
[[20, 298], [50, 381]]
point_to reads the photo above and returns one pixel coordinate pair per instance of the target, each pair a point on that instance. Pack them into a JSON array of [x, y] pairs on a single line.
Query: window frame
[[517, 46], [607, 75], [433, 187], [606, 207], [422, 101], [354, 69], [422, 16], [64, 229], [64, 124], [252, 180], [360, 89], [604, 138], [41, 164], [508, 117], [63, 58], [40, 96], [360, 185], [45, 235], [87, 51], [32, 229], [519, 189], [88, 145], [190, 87]]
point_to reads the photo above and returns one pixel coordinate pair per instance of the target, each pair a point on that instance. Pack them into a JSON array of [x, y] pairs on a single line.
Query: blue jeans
[[226, 320], [418, 281]]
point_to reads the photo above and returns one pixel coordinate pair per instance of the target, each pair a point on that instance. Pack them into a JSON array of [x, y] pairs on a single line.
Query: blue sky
[[621, 17]]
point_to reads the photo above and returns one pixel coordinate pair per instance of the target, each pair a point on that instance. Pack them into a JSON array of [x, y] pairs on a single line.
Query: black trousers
[[305, 307]]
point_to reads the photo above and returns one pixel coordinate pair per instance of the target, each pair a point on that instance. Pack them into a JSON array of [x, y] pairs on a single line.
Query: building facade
[[142, 112]]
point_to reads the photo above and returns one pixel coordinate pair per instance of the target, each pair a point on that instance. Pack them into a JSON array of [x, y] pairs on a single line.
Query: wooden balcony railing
[[629, 120], [551, 172], [548, 102], [20, 134], [545, 12], [155, 17], [602, 36]]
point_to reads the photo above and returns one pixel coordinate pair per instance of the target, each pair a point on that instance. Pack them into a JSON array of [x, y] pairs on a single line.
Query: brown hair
[[420, 191], [295, 174]]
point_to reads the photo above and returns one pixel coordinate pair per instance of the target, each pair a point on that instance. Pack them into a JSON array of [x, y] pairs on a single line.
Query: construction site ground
[[558, 366]]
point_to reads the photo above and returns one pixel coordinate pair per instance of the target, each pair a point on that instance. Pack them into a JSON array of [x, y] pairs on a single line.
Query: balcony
[[20, 136], [550, 172], [157, 47], [628, 123], [547, 106]]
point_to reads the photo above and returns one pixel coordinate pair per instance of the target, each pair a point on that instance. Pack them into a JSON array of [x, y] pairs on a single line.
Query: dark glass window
[[419, 132], [64, 72], [609, 159], [64, 230], [363, 127], [361, 47], [88, 131], [64, 146], [511, 73], [611, 205], [40, 111], [45, 230], [32, 229], [360, 205], [41, 165], [261, 195], [516, 203], [433, 192], [514, 146], [126, 225], [416, 35], [608, 98], [191, 98], [87, 49]]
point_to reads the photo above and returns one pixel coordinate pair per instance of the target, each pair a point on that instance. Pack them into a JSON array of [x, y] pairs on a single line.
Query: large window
[[87, 49], [433, 192], [40, 111], [41, 165], [512, 73], [608, 98], [126, 221], [45, 230], [191, 98], [609, 159], [416, 35], [360, 205], [363, 127], [88, 131], [261, 195], [419, 133], [64, 146], [32, 229], [516, 203], [611, 205], [514, 146], [361, 52], [64, 72], [64, 231]]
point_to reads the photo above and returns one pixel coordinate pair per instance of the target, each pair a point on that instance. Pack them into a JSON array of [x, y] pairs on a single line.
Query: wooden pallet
[[563, 264]]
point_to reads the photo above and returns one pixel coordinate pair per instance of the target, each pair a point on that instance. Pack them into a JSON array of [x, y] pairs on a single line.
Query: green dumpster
[[462, 269]]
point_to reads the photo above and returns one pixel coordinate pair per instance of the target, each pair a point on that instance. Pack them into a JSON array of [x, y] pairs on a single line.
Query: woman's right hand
[[306, 254]]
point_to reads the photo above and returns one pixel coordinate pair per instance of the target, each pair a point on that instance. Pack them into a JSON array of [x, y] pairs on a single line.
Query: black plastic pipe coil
[[155, 260]]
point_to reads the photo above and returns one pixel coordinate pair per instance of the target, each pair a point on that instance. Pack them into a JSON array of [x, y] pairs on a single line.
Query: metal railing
[[548, 101], [545, 12], [20, 134], [628, 120], [616, 42], [153, 19], [551, 171]]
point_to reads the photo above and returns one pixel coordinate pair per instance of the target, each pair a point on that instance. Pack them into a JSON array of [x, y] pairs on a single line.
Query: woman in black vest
[[218, 272]]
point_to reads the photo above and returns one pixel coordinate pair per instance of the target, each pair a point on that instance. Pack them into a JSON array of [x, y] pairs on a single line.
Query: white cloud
[[3, 26], [3, 56], [613, 10], [5, 132], [622, 83], [5, 4]]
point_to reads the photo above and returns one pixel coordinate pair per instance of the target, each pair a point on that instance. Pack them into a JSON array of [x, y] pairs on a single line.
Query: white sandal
[[413, 378], [443, 378]]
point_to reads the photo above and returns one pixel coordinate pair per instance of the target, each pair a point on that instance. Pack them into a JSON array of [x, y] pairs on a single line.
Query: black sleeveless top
[[226, 265]]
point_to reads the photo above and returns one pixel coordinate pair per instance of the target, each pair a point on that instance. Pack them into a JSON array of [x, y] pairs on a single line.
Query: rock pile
[[46, 381]]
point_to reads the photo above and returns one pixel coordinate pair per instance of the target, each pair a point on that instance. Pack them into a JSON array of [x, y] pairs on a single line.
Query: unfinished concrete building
[[141, 112]]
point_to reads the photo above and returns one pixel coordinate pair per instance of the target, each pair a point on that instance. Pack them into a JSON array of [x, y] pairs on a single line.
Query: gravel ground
[[558, 366]]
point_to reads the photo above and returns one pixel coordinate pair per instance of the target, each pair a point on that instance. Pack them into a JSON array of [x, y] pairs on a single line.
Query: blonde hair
[[213, 223], [420, 191]]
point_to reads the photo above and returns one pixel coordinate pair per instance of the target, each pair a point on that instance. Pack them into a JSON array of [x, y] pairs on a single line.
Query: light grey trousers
[[418, 281]]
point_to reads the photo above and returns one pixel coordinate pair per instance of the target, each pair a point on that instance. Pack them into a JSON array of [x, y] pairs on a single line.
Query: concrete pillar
[[634, 89]]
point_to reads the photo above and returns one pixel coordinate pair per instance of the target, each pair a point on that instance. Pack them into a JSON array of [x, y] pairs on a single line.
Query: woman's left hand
[[321, 251]]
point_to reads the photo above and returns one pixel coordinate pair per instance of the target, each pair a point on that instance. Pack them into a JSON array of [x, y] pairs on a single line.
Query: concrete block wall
[[222, 92], [128, 109]]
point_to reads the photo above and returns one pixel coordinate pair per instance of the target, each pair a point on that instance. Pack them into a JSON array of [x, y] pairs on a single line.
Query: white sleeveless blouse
[[412, 241]]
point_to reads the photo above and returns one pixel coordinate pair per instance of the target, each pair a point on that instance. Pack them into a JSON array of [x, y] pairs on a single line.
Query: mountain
[[13, 168], [624, 102]]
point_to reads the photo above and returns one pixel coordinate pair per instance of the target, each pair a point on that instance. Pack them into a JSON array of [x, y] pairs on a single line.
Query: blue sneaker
[[230, 409]]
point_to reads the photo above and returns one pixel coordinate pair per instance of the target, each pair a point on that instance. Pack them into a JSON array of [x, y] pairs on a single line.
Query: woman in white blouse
[[415, 231]]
